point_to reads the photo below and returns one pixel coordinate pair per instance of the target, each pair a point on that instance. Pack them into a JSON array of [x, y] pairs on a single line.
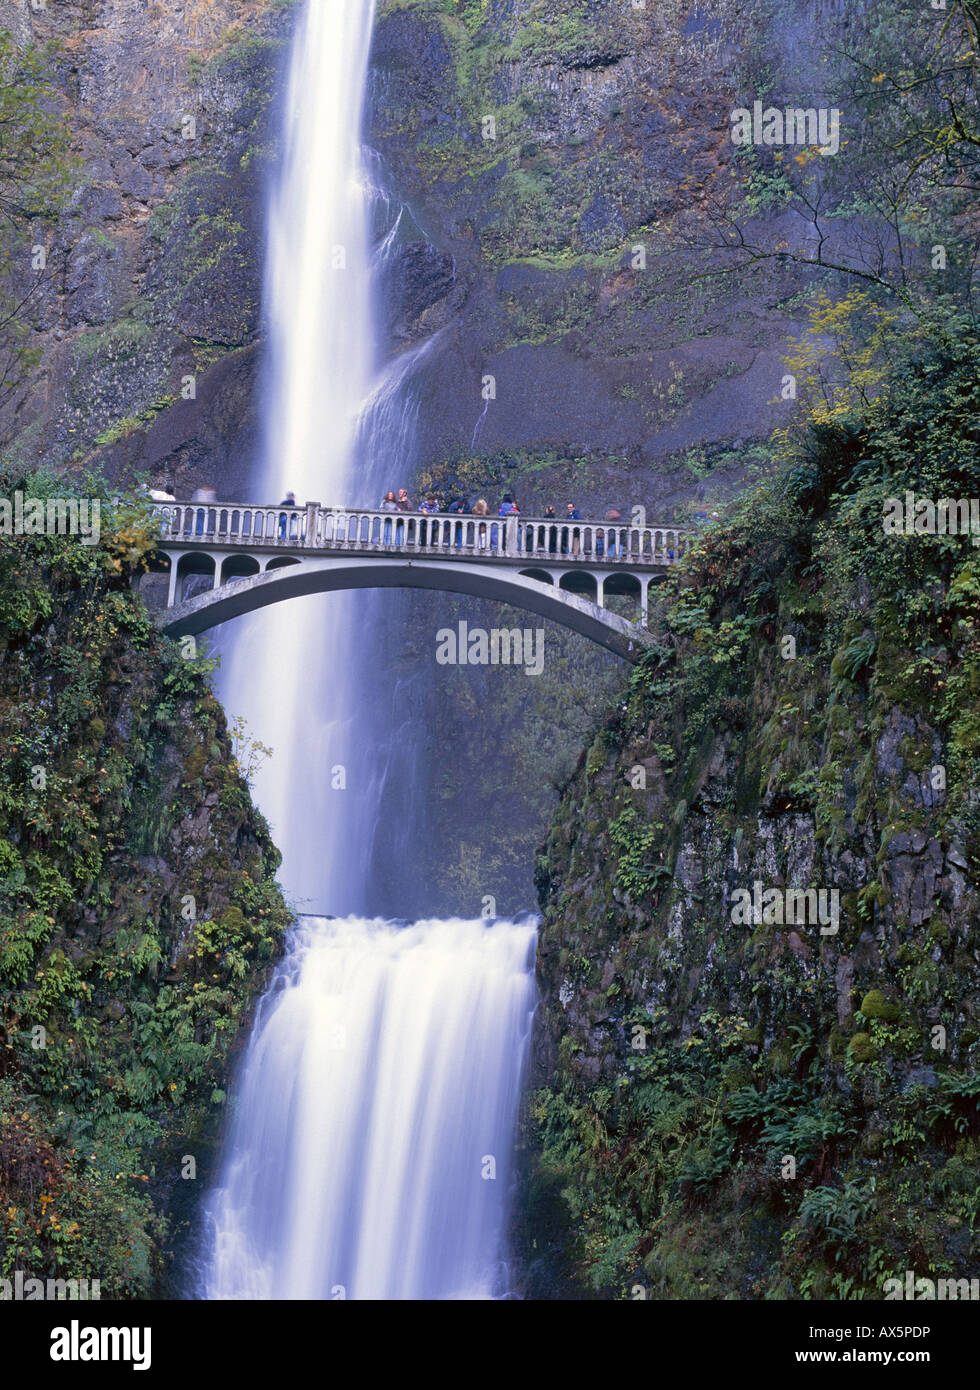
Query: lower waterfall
[[370, 1154]]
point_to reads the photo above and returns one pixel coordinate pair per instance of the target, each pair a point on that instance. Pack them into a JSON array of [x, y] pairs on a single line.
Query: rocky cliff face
[[551, 151], [148, 312], [738, 1098], [139, 916], [543, 155]]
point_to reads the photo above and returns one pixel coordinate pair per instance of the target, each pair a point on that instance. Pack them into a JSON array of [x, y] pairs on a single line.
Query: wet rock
[[419, 277], [93, 279]]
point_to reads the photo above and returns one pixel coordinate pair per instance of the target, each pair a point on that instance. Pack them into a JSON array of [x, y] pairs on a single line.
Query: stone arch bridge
[[226, 559]]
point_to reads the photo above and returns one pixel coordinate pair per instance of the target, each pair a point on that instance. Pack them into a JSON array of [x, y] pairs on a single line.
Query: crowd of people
[[487, 533]]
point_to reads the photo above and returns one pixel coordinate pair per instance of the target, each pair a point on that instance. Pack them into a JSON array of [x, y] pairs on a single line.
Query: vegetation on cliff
[[770, 1109], [34, 173], [139, 914]]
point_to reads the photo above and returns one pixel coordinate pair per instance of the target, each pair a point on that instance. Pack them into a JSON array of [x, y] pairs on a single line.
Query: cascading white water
[[370, 1157], [374, 1118], [282, 668]]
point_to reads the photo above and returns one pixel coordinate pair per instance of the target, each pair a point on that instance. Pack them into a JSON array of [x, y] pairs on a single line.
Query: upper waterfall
[[317, 285], [319, 378]]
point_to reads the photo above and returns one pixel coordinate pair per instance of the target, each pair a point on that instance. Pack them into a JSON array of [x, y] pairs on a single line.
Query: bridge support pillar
[[172, 586], [644, 599], [600, 583], [312, 513]]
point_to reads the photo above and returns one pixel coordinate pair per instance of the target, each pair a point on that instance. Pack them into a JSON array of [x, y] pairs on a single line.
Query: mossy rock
[[939, 932], [779, 1058], [838, 1044], [234, 920], [874, 1005], [194, 764], [861, 1048], [872, 1144]]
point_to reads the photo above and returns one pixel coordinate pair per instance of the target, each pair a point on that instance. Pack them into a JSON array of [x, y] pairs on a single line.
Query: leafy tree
[[894, 207]]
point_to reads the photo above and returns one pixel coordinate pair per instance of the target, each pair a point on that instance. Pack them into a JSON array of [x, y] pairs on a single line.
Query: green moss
[[194, 764], [837, 1044], [873, 1005], [861, 1048]]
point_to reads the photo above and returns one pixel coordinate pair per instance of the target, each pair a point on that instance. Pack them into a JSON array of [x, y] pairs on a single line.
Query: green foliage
[[35, 174], [765, 746], [634, 844], [139, 1006]]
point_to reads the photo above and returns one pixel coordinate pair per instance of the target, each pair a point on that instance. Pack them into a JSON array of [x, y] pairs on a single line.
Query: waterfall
[[370, 1157], [320, 372], [369, 1152]]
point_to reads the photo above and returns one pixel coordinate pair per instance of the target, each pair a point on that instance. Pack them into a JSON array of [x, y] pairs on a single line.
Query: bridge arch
[[195, 564], [579, 582], [329, 573], [238, 567]]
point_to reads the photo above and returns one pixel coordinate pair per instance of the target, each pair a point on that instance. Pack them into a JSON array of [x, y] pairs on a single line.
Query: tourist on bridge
[[207, 495], [288, 501], [508, 507], [404, 505], [388, 504], [572, 514], [429, 508], [613, 515], [549, 512], [460, 507], [481, 509]]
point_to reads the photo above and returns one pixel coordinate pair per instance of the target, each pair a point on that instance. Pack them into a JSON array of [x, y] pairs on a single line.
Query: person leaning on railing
[[429, 507], [388, 504], [404, 505], [481, 508]]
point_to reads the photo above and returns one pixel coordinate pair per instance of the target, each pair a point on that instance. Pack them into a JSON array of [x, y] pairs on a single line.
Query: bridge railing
[[231, 522], [600, 541], [314, 527]]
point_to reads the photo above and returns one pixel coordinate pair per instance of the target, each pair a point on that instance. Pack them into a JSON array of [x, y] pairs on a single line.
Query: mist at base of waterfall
[[372, 1139]]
